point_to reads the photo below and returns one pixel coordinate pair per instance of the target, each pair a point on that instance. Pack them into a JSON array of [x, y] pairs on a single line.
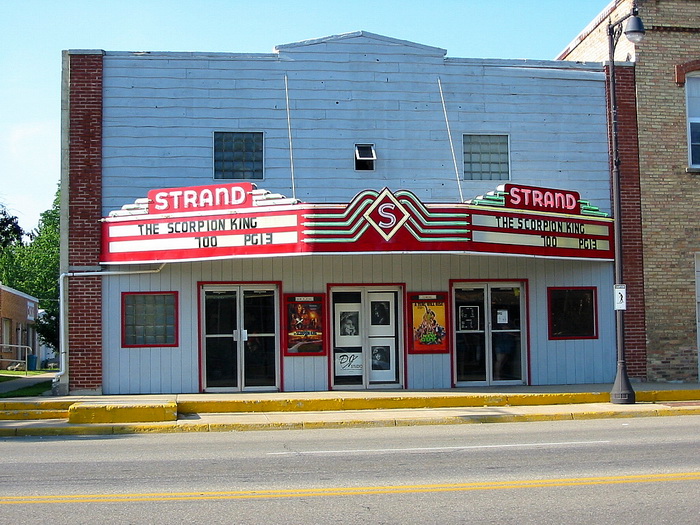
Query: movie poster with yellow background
[[429, 323]]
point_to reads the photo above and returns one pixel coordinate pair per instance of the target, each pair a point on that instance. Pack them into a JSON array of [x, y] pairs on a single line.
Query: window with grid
[[238, 155], [486, 157], [149, 319], [692, 90]]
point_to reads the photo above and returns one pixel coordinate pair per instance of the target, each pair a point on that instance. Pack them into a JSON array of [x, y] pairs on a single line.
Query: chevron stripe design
[[387, 213]]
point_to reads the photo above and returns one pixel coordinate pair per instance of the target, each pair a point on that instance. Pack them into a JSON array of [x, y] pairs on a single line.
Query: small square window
[[572, 313], [238, 155], [486, 157], [149, 319], [364, 157]]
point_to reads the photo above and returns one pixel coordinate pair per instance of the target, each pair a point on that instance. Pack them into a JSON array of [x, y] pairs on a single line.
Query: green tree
[[32, 267], [10, 231]]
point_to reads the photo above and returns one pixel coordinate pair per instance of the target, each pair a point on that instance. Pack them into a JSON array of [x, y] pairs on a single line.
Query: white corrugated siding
[[161, 109], [173, 370]]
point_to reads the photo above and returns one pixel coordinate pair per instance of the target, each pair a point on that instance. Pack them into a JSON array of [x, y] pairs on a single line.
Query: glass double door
[[489, 342], [366, 350], [240, 338]]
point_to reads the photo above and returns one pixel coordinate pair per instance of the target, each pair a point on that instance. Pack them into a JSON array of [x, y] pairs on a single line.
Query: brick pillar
[[84, 213], [631, 226]]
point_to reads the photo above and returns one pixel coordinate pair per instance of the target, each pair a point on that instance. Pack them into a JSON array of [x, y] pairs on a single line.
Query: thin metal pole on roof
[[452, 148], [289, 132]]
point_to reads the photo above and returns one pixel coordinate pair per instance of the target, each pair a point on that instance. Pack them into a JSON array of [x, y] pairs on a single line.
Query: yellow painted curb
[[675, 411], [32, 414], [385, 403], [656, 396], [47, 404], [244, 427], [163, 428], [558, 399], [194, 427], [650, 410], [360, 423], [408, 422], [96, 412], [78, 430]]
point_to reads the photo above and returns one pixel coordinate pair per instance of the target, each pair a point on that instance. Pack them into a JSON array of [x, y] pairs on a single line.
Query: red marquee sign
[[541, 199], [221, 197], [238, 220]]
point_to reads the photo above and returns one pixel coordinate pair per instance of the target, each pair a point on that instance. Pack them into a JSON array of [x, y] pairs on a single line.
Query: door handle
[[240, 336]]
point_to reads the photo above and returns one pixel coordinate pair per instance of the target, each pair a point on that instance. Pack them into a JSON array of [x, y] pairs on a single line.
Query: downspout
[[63, 327]]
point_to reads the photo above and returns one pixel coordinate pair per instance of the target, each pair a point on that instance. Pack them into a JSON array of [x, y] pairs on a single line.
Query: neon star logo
[[386, 215]]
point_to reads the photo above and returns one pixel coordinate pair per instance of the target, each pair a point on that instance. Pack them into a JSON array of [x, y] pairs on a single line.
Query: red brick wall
[[631, 225], [15, 308], [670, 193], [85, 211]]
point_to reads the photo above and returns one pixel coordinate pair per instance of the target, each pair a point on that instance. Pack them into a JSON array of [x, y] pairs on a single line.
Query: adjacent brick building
[[18, 313], [665, 67]]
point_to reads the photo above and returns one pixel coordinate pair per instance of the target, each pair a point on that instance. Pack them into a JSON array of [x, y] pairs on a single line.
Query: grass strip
[[23, 373], [29, 391]]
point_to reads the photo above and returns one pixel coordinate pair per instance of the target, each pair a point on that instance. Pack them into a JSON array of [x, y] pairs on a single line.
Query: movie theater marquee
[[238, 220]]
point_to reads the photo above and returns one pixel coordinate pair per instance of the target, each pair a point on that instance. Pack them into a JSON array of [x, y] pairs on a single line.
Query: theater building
[[350, 212]]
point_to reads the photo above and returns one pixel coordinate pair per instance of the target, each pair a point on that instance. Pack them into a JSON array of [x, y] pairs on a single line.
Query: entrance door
[[489, 341], [240, 338], [366, 350]]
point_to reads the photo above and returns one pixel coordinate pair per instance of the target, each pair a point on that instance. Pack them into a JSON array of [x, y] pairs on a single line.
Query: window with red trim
[[572, 313], [149, 319]]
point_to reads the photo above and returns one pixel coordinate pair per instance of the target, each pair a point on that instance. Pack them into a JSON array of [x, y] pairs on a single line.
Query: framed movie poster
[[429, 327], [304, 324], [382, 316], [383, 364], [347, 325]]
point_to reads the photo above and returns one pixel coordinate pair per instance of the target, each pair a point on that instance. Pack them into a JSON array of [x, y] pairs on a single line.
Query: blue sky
[[34, 32]]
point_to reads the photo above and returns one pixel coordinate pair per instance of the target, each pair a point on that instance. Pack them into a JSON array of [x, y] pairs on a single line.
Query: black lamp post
[[622, 392]]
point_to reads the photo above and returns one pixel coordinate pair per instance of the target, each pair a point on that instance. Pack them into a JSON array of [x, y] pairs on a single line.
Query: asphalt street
[[641, 470]]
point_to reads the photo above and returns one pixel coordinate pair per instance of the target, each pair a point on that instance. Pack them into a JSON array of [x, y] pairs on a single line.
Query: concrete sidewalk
[[100, 415], [24, 381]]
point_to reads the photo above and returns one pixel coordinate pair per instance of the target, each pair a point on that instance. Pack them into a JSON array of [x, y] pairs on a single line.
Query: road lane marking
[[349, 491], [431, 449]]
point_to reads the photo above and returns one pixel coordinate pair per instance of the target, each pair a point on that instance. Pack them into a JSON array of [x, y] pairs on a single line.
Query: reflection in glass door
[[240, 338], [365, 338], [488, 333]]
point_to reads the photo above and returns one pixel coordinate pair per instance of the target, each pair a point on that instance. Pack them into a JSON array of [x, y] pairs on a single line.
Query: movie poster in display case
[[429, 323], [304, 325]]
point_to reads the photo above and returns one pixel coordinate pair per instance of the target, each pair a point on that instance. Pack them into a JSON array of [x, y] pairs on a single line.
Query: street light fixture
[[622, 392]]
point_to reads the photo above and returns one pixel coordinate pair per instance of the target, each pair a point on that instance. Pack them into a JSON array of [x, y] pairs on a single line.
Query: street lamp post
[[622, 392]]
